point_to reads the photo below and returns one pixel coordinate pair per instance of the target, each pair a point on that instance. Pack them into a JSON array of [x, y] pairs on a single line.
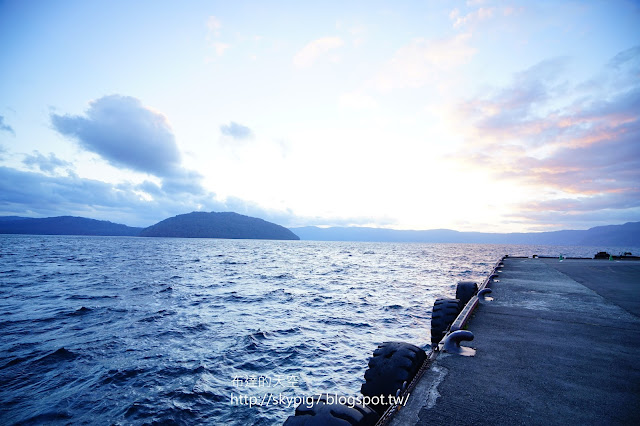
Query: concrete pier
[[559, 344]]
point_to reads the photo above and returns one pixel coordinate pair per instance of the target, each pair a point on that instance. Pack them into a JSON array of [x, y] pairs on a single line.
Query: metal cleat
[[482, 295], [452, 343]]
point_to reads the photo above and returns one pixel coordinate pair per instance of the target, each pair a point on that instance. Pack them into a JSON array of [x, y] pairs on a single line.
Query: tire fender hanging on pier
[[391, 368], [465, 290], [444, 313], [320, 413]]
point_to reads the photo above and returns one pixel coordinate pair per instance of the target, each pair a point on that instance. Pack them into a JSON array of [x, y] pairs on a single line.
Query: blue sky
[[471, 115]]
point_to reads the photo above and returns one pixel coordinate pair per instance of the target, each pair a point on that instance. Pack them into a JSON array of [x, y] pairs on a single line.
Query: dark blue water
[[117, 330]]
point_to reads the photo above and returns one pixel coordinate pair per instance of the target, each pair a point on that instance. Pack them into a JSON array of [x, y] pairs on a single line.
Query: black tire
[[444, 313], [391, 368], [319, 413], [465, 290]]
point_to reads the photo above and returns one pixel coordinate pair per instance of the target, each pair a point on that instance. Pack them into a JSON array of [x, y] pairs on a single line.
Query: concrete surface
[[559, 344]]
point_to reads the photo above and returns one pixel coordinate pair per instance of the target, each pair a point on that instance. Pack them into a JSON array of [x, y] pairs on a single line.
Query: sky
[[494, 116]]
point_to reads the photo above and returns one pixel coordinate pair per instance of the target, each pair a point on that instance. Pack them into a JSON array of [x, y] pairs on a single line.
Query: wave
[[159, 315], [118, 377], [135, 331], [47, 417], [59, 355], [14, 361], [81, 311], [393, 307]]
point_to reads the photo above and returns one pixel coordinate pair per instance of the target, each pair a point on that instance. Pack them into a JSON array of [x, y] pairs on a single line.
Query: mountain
[[63, 225], [218, 225], [233, 225], [6, 218], [613, 235], [627, 234]]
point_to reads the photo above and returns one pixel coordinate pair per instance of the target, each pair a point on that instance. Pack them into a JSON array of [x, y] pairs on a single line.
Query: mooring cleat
[[452, 343], [482, 295]]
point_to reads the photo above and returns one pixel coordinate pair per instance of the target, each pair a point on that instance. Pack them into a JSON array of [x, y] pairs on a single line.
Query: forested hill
[[218, 225], [64, 225]]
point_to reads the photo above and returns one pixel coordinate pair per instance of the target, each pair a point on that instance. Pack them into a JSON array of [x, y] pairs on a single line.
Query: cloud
[[424, 61], [515, 110], [36, 194], [582, 212], [578, 145], [471, 18], [27, 193], [6, 127], [214, 25], [620, 73], [220, 47], [357, 32], [236, 131], [587, 204], [627, 59], [315, 50], [187, 181], [606, 167], [356, 100], [45, 164], [125, 133]]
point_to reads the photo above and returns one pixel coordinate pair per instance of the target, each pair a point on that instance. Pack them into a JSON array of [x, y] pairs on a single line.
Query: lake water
[[121, 330]]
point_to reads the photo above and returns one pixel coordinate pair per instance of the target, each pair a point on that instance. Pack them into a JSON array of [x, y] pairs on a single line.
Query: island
[[218, 225]]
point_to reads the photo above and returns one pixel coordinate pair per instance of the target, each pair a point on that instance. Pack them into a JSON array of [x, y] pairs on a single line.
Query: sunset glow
[[470, 115]]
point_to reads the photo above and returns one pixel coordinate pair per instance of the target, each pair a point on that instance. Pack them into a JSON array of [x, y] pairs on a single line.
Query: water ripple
[[137, 331]]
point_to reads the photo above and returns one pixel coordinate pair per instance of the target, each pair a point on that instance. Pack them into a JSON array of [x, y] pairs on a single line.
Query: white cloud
[[357, 100], [357, 33], [220, 47], [214, 25], [316, 49], [236, 131], [473, 17], [475, 2], [423, 61]]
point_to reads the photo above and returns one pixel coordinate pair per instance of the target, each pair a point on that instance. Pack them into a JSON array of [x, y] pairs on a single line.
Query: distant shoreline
[[229, 225], [613, 235], [191, 225]]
